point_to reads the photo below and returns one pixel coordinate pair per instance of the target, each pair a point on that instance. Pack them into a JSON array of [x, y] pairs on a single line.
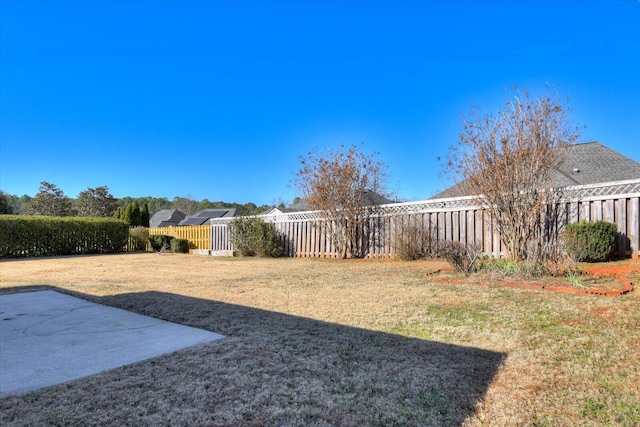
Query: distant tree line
[[98, 202], [190, 206]]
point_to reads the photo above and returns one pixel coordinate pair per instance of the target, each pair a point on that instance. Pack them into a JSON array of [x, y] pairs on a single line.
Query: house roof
[[166, 218], [203, 216], [273, 211], [371, 198], [586, 163], [592, 163], [301, 206]]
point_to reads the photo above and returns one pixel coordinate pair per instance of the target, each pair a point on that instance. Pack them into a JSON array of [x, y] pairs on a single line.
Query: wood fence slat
[[462, 225], [478, 227], [585, 211], [455, 226], [597, 210], [634, 226], [573, 212], [608, 211], [621, 222], [488, 232]]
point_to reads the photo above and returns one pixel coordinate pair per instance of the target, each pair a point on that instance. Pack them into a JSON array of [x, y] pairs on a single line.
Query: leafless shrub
[[462, 258], [544, 250], [510, 160], [341, 183], [411, 241]]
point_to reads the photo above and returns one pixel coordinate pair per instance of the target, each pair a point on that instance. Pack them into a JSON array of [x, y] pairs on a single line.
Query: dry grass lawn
[[326, 342]]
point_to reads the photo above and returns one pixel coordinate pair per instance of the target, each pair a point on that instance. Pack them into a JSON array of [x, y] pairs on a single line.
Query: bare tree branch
[[511, 160], [341, 183]]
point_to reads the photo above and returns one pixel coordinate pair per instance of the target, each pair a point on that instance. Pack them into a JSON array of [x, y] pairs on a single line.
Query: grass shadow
[[273, 369]]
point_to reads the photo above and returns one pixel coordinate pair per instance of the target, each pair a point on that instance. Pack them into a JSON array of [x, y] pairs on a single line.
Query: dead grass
[[329, 342]]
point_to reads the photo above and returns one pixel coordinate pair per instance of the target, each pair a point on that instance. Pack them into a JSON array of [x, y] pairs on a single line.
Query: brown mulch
[[612, 279]]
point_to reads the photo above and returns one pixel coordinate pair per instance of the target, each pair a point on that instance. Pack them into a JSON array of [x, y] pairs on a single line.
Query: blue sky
[[218, 99]]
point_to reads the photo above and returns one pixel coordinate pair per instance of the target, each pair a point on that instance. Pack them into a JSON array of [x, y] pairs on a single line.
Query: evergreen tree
[[50, 201], [96, 202], [5, 205], [19, 204], [126, 214], [135, 214], [144, 215]]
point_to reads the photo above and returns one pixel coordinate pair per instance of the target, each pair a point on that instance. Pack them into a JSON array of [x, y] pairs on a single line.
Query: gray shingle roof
[[371, 199], [586, 163], [203, 216], [166, 218], [592, 163]]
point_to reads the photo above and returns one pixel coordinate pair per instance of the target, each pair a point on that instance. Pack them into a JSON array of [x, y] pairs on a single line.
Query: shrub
[[158, 241], [411, 240], [505, 267], [140, 237], [508, 267], [27, 236], [461, 257], [180, 246], [590, 241], [251, 236]]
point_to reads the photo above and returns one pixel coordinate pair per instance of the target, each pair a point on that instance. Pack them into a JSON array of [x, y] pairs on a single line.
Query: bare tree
[[341, 183], [511, 160], [185, 204]]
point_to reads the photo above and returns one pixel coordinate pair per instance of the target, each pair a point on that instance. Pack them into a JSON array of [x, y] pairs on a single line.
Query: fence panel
[[198, 235], [458, 219], [220, 239]]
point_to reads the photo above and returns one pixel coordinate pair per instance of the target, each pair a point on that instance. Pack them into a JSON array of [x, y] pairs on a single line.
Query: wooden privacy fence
[[458, 219], [198, 235]]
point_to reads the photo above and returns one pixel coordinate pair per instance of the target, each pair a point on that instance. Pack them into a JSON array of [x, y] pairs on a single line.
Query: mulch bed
[[609, 275]]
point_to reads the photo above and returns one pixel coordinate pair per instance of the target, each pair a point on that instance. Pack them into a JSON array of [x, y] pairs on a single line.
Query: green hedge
[[252, 236], [180, 246], [158, 241], [590, 241], [32, 236]]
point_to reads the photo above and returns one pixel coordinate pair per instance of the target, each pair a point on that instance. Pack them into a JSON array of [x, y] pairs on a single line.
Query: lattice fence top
[[609, 190]]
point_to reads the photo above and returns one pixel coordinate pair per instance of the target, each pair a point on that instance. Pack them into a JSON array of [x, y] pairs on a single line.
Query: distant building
[[166, 218], [175, 218], [371, 199], [203, 217], [586, 163]]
